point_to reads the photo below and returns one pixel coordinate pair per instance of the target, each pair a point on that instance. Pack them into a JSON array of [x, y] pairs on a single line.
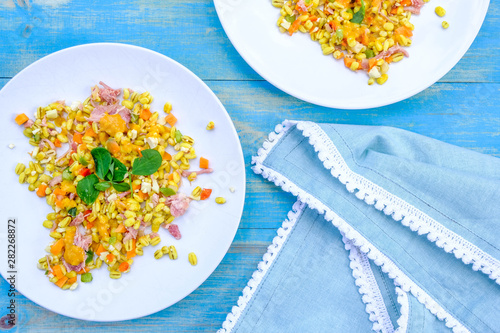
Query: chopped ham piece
[[123, 194], [48, 142], [130, 234], [72, 196], [77, 220], [44, 122], [153, 235], [186, 173], [178, 204], [154, 199], [82, 241], [174, 230], [55, 181], [391, 51], [415, 6], [108, 94], [28, 123], [125, 114]]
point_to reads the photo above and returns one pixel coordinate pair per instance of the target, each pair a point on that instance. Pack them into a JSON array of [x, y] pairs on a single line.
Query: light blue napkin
[[392, 231]]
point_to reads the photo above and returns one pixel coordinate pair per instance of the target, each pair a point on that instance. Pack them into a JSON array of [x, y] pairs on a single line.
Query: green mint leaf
[[167, 191], [359, 16], [72, 211], [102, 159], [90, 257], [86, 190], [147, 164], [119, 170], [121, 187], [102, 186]]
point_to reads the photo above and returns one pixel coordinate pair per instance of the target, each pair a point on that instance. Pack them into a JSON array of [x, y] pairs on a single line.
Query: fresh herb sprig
[[110, 172], [359, 16]]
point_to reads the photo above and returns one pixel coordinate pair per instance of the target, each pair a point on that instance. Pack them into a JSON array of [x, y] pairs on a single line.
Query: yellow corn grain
[[193, 260], [48, 224], [172, 252], [115, 274], [440, 11], [382, 79], [158, 254], [155, 241], [445, 25]]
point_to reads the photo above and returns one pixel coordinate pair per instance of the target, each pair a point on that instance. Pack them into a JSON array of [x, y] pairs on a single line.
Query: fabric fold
[[412, 211]]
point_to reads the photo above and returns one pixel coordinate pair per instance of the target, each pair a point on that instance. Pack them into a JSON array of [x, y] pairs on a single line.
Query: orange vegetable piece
[[112, 146], [21, 119], [348, 62], [205, 193], [100, 250], [41, 190], [57, 271], [113, 124], [145, 114], [110, 257], [120, 228], [123, 266], [170, 119], [72, 280], [60, 283], [57, 143], [77, 137], [166, 156], [203, 163], [130, 254], [294, 27], [74, 255], [57, 247], [90, 132], [403, 30], [58, 191]]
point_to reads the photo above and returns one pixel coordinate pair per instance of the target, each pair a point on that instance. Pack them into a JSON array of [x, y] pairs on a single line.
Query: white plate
[[207, 228], [297, 66]]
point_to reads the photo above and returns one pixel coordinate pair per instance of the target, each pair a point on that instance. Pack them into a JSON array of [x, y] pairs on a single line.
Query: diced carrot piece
[[57, 271], [136, 186], [348, 62], [110, 257], [83, 270], [171, 177], [120, 228], [90, 132], [77, 137], [123, 266], [113, 147], [205, 193], [143, 195], [203, 163], [21, 119], [60, 283], [145, 114], [72, 280], [89, 225], [58, 191], [57, 143], [57, 247], [41, 190], [166, 156], [294, 27], [100, 250], [388, 59], [130, 254], [170, 119]]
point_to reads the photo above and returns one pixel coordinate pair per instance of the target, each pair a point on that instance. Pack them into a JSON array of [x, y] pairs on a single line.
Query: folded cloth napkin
[[392, 231]]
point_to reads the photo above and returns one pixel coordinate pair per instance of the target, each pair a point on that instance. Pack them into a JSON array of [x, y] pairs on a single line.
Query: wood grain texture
[[461, 109]]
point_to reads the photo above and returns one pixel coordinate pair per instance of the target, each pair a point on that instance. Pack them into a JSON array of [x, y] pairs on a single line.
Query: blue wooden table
[[461, 109]]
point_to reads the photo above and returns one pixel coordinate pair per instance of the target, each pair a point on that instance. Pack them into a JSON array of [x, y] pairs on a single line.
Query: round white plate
[[207, 228], [297, 66]]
